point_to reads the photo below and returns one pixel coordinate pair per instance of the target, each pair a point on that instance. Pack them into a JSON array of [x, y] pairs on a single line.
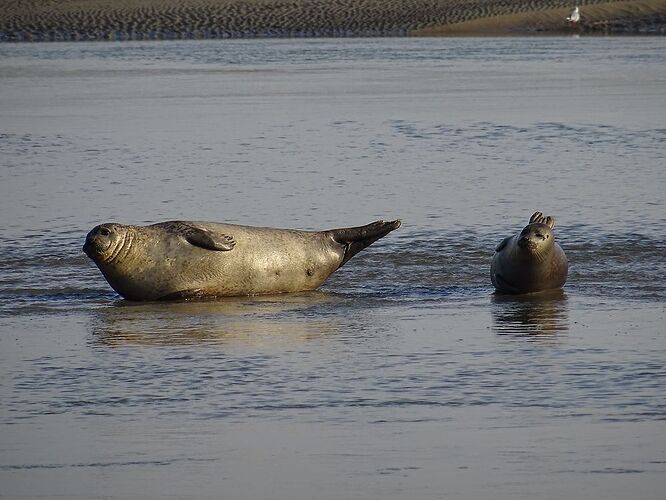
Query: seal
[[185, 259], [530, 261]]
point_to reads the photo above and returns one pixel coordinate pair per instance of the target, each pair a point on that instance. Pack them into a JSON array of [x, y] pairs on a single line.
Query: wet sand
[[178, 19], [609, 17]]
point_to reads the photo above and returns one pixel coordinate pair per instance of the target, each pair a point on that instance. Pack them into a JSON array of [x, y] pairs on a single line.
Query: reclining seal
[[184, 259]]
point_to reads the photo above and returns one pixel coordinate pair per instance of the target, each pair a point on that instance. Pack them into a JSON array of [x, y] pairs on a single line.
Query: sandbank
[[39, 20]]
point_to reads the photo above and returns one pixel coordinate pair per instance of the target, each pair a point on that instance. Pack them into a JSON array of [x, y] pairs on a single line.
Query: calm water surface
[[404, 376]]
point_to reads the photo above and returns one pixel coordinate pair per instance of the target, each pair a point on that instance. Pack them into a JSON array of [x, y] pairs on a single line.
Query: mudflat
[[164, 19]]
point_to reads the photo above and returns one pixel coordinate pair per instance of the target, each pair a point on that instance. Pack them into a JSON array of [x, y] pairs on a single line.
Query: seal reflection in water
[[530, 261], [530, 314], [179, 259]]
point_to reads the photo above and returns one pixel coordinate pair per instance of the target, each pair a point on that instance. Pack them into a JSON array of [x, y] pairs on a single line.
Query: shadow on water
[[280, 319], [530, 315]]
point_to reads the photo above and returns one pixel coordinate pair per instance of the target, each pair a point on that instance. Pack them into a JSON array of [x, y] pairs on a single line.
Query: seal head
[[103, 241], [536, 237]]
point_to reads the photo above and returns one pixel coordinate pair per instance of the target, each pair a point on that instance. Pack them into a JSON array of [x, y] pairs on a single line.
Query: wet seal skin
[[530, 261], [183, 259]]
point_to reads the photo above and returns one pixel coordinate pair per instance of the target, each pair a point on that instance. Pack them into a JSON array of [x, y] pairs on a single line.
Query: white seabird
[[574, 17]]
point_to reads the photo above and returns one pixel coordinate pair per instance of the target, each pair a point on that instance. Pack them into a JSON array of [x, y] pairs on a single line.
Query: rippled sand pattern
[[160, 19]]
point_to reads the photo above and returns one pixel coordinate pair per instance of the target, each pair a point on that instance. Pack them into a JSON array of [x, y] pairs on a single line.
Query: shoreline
[[73, 20]]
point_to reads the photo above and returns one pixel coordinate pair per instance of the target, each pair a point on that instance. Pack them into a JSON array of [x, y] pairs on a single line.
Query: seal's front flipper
[[356, 239], [209, 240], [539, 218]]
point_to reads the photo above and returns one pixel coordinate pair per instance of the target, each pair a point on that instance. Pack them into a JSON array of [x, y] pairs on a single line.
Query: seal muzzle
[[526, 243]]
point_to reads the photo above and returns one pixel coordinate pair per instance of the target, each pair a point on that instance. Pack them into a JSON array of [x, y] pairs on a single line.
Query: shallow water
[[404, 376]]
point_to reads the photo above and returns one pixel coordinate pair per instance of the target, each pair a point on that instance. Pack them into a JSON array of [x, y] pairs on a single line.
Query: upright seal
[[180, 259], [530, 261]]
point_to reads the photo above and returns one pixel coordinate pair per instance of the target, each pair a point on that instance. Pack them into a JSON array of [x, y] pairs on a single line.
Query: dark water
[[404, 376]]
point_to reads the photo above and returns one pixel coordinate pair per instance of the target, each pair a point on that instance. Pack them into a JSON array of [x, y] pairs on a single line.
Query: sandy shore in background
[[159, 19], [622, 16]]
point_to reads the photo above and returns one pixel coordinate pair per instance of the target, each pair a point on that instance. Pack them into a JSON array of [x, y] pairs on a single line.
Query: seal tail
[[356, 239]]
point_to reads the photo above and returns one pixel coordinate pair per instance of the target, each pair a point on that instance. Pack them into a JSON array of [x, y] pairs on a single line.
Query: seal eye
[[104, 231]]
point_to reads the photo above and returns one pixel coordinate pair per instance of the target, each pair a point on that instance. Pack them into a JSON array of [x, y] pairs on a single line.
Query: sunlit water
[[404, 376]]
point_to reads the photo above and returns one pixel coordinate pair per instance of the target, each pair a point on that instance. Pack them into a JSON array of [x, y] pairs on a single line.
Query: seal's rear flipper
[[356, 239]]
